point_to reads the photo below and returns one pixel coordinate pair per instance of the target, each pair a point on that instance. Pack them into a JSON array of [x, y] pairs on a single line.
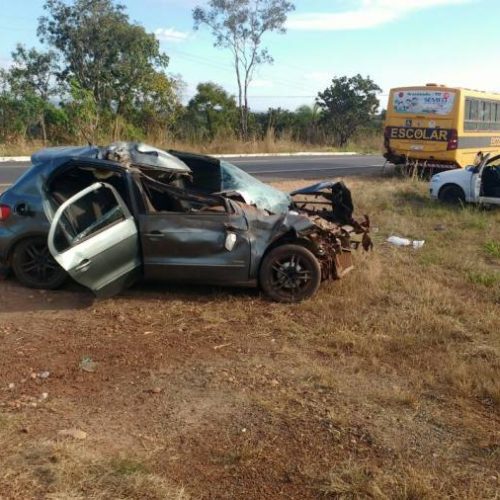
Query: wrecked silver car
[[108, 216]]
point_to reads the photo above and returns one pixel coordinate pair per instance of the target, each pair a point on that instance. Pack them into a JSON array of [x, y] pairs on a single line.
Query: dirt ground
[[386, 385]]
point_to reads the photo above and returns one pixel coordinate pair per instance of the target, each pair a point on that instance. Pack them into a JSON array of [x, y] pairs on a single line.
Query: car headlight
[[436, 178]]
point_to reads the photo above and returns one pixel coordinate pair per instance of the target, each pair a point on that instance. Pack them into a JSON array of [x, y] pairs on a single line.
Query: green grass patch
[[485, 279], [492, 248], [128, 467]]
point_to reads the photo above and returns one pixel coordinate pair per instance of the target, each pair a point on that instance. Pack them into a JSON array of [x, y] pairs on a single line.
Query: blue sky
[[396, 42]]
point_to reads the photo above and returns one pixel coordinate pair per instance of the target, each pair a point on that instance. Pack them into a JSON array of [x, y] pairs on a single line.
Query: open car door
[[94, 237], [487, 182]]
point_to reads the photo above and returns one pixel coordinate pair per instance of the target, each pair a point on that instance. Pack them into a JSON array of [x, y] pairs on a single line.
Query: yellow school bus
[[439, 126]]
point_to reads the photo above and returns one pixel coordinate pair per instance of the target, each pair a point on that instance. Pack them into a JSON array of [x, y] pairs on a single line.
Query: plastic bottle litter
[[405, 242]]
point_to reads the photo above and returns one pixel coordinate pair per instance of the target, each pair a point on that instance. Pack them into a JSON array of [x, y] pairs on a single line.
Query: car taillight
[[453, 140], [5, 212]]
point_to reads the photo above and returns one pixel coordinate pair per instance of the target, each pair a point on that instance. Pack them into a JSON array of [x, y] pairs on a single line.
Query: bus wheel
[[452, 195]]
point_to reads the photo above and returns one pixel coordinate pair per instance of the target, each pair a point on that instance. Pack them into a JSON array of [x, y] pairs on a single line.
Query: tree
[[347, 104], [306, 123], [213, 110], [102, 51], [239, 25], [156, 111], [83, 113], [31, 78]]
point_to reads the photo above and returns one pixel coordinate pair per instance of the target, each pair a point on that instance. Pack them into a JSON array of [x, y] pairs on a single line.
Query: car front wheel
[[290, 273], [452, 195], [34, 266]]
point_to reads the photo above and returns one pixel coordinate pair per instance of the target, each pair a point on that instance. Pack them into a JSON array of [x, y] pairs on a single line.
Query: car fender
[[266, 231], [13, 242], [459, 177]]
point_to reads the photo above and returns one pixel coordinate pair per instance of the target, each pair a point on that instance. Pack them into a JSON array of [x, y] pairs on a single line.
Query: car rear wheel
[[290, 273], [34, 266], [452, 195]]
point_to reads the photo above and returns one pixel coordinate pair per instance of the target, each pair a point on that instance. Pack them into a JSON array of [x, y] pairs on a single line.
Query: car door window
[[163, 198], [94, 237], [90, 214]]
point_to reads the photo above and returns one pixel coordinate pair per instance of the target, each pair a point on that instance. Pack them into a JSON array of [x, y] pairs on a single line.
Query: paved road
[[267, 168]]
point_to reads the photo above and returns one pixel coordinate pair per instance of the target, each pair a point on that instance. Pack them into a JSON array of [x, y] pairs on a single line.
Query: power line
[[229, 68]]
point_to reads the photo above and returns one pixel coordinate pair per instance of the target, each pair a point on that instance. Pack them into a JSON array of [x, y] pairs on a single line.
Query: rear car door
[[94, 237]]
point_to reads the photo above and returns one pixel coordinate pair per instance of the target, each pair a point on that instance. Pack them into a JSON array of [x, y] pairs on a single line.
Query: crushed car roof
[[56, 153], [121, 152]]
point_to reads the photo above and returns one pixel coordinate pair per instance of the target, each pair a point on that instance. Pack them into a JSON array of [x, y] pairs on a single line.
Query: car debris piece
[[332, 202], [405, 242]]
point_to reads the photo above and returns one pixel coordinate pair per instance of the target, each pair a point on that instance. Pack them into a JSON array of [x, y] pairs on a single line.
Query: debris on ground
[[74, 433], [88, 365], [405, 242]]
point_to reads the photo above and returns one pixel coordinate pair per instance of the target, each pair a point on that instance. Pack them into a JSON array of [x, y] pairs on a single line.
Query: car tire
[[290, 273], [34, 267], [452, 194]]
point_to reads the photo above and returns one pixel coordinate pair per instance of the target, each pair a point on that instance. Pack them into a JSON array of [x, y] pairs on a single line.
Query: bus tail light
[[4, 212], [453, 140]]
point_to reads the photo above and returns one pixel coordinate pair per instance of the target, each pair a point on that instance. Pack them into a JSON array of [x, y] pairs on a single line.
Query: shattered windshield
[[253, 191]]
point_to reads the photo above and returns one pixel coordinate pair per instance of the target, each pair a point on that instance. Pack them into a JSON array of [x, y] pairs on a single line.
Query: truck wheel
[[290, 273], [34, 267], [452, 195]]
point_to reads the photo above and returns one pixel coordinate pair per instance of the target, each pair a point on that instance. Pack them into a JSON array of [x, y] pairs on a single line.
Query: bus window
[[496, 117], [474, 110], [467, 112], [484, 115]]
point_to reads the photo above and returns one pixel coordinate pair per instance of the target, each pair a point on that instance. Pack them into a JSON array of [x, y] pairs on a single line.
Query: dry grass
[[368, 144], [385, 386], [57, 469]]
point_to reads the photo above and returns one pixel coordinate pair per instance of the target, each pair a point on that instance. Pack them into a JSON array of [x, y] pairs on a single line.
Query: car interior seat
[[491, 182]]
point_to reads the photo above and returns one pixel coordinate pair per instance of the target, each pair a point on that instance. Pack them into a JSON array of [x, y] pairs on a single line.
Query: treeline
[[103, 77]]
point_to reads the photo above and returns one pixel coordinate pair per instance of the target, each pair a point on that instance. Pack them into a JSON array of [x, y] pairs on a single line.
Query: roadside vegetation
[[385, 385], [120, 88], [368, 143]]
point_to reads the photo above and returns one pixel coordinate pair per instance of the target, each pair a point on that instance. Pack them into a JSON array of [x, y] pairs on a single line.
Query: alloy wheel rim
[[290, 274], [38, 263]]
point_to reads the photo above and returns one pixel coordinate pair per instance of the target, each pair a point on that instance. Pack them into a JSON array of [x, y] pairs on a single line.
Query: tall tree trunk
[[209, 125], [117, 115], [240, 99], [44, 128], [245, 114]]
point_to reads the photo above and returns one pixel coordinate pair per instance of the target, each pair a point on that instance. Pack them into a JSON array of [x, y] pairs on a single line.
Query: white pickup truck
[[474, 184]]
